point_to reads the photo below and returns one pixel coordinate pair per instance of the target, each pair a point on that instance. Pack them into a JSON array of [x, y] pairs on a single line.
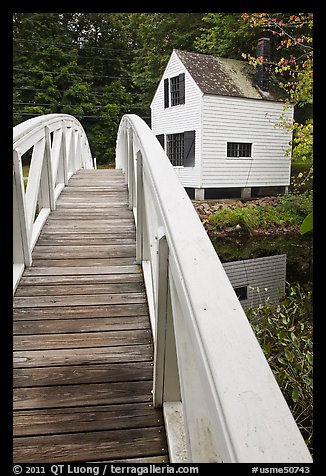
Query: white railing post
[[127, 154], [166, 376], [56, 156], [139, 208], [161, 316], [49, 182], [64, 153], [78, 155], [21, 246], [33, 184], [130, 168]]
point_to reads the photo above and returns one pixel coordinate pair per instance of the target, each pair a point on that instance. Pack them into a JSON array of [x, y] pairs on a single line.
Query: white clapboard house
[[220, 125]]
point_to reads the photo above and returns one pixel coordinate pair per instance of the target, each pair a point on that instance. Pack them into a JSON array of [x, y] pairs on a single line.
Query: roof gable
[[221, 76]]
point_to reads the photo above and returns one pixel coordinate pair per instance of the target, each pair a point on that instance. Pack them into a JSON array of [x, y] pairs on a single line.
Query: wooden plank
[[56, 326], [88, 418], [78, 300], [91, 187], [122, 443], [82, 270], [104, 213], [80, 312], [119, 205], [81, 395], [76, 288], [112, 221], [82, 339], [84, 251], [77, 374], [86, 227], [88, 234], [82, 262], [81, 238], [80, 182], [94, 198], [81, 279], [99, 355]]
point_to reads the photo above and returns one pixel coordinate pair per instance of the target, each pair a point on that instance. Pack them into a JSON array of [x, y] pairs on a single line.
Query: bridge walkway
[[83, 350]]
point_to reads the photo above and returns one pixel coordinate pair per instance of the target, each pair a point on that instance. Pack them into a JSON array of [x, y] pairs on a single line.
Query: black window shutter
[[166, 93], [189, 149], [181, 88], [160, 138]]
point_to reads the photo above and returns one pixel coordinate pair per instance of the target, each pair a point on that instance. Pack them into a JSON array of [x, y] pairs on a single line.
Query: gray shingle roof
[[221, 76]]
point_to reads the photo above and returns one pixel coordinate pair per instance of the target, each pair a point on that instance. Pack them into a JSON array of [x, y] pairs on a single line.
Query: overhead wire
[[79, 115], [70, 74], [74, 46]]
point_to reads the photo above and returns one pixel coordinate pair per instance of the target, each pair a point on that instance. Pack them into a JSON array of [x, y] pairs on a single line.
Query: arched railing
[[59, 147], [208, 364]]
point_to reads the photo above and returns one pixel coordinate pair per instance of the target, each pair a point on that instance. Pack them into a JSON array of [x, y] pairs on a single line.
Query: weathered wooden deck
[[83, 356]]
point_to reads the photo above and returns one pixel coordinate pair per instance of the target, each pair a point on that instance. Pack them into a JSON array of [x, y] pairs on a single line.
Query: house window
[[175, 148], [180, 148], [238, 149], [241, 292], [174, 90]]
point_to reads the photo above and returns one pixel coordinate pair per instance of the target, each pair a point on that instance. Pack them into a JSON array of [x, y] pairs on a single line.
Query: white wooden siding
[[264, 277], [177, 119], [227, 119]]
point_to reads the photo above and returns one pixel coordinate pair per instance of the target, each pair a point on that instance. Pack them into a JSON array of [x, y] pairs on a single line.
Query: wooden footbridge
[[130, 344]]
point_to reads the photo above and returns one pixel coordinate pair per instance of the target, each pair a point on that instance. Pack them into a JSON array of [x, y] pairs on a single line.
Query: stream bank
[[265, 216]]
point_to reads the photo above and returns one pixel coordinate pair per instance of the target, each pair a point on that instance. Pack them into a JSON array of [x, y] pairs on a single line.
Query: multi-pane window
[[175, 91], [180, 148], [175, 148], [239, 149]]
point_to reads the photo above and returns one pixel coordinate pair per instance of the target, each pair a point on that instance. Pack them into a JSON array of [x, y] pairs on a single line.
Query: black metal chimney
[[263, 51]]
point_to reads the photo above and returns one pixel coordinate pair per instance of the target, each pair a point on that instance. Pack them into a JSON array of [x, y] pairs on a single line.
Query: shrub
[[247, 218], [296, 205], [284, 332]]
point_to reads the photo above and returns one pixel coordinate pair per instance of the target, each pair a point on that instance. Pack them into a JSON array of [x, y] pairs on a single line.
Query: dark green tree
[[226, 35], [73, 63], [155, 35]]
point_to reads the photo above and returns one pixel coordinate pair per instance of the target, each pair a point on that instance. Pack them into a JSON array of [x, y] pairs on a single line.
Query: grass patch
[[290, 210]]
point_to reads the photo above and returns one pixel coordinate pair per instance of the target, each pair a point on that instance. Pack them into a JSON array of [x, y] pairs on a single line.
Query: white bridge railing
[[208, 362], [58, 147]]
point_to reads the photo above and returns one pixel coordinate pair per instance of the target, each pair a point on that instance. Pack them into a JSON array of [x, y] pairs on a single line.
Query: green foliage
[[303, 142], [307, 224], [292, 67], [247, 218], [301, 177], [156, 35], [290, 210], [226, 35], [296, 206], [284, 332]]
